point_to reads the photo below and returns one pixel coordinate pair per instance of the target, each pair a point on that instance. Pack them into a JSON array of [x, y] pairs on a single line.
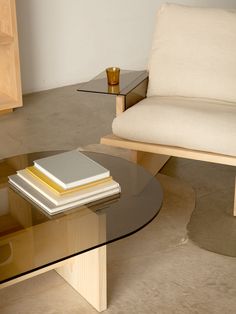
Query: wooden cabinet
[[10, 84]]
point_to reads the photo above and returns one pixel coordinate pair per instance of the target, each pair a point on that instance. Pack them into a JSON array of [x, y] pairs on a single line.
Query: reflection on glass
[[114, 89], [5, 253]]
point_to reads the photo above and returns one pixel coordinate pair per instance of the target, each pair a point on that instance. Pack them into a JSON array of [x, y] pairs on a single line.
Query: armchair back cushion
[[194, 53]]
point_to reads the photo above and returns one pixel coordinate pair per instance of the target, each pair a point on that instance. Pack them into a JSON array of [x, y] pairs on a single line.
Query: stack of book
[[64, 181]]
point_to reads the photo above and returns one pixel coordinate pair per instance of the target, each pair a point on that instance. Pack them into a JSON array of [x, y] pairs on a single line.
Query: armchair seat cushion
[[193, 123]]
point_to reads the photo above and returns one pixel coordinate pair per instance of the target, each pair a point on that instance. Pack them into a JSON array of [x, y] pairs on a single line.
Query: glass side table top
[[31, 240], [128, 81]]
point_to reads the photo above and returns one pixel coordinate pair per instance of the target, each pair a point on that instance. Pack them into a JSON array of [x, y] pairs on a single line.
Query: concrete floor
[[56, 119], [160, 269]]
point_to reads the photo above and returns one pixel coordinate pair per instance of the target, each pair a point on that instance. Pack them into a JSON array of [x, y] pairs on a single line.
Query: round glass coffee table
[[73, 242]]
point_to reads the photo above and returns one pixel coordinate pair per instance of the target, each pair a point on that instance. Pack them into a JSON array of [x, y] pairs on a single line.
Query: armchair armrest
[[137, 92]]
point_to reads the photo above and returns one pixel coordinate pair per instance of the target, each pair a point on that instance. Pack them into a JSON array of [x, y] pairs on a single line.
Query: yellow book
[[58, 189]]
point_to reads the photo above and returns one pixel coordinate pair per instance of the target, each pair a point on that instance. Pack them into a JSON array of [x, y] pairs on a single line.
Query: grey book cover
[[71, 169]]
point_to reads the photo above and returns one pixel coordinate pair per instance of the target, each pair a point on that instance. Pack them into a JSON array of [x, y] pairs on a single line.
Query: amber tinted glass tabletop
[[128, 81], [30, 239]]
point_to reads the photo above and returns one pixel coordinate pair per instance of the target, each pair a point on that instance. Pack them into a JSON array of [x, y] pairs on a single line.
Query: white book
[[71, 197], [47, 205], [71, 169]]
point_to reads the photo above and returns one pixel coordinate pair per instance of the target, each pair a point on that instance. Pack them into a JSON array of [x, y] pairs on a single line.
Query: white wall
[[65, 42]]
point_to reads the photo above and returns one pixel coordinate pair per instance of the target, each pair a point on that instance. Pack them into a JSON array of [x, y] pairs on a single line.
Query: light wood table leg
[[87, 274], [120, 104]]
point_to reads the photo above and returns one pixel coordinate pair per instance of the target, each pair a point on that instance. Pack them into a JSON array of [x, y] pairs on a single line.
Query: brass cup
[[113, 75]]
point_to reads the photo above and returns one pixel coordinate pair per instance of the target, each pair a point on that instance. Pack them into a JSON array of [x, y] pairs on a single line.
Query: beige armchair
[[190, 108]]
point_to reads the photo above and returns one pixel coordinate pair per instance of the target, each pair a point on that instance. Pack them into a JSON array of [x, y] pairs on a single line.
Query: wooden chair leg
[[135, 156], [235, 198], [151, 162]]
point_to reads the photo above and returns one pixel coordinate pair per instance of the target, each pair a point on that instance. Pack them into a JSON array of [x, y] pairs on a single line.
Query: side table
[[131, 89]]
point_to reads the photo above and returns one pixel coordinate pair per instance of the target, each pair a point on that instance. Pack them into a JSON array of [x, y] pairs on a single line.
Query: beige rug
[[156, 270], [212, 225]]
